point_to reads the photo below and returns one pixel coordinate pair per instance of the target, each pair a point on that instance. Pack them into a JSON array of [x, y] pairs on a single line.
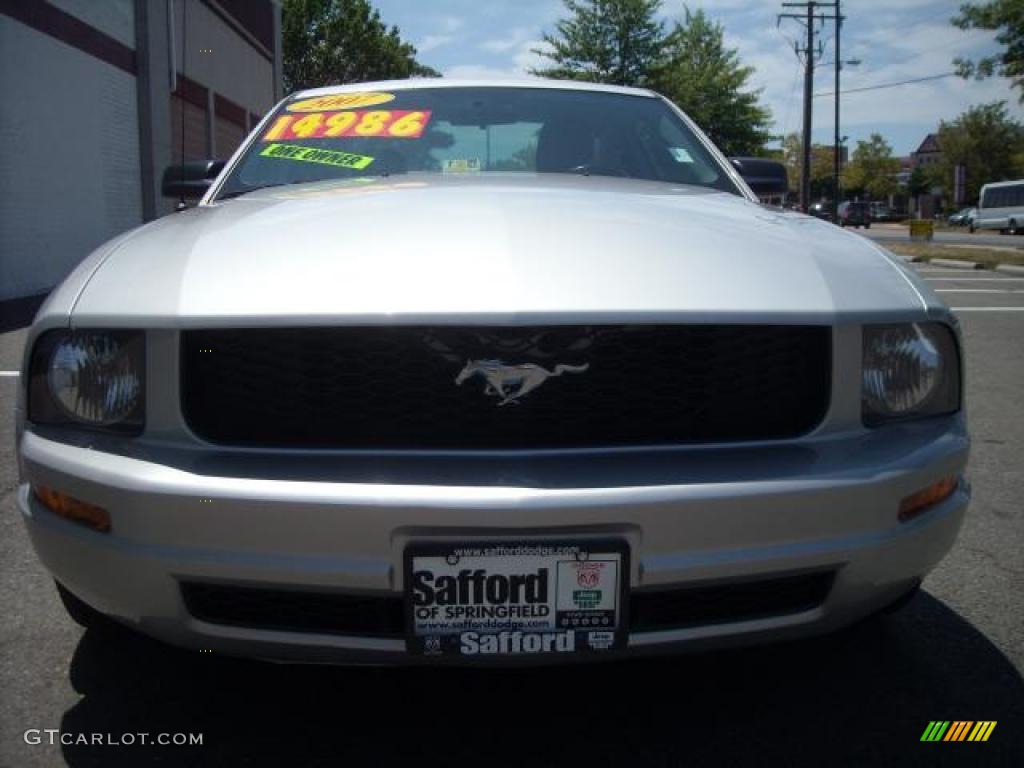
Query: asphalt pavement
[[861, 697]]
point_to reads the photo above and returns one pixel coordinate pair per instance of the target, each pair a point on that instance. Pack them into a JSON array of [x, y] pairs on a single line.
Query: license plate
[[486, 599]]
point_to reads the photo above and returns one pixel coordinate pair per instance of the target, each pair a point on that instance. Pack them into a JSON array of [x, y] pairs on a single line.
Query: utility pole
[[811, 52], [805, 166], [837, 159]]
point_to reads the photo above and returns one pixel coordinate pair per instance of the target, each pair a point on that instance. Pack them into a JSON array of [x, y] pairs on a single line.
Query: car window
[[475, 130]]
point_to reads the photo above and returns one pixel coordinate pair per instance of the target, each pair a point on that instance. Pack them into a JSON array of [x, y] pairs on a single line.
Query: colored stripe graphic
[[982, 730], [958, 730], [935, 730]]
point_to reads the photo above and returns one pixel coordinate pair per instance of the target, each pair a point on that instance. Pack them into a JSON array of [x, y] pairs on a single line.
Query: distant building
[[93, 99], [928, 153], [926, 156], [906, 168]]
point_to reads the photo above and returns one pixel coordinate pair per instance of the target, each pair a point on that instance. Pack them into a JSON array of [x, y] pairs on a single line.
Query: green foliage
[[986, 141], [328, 42], [1007, 17], [622, 42], [707, 81], [822, 165], [605, 41], [872, 168], [919, 182]]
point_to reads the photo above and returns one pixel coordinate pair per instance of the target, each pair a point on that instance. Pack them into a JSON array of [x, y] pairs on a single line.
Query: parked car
[[881, 212], [855, 214], [821, 210], [1001, 206], [962, 218], [466, 371]]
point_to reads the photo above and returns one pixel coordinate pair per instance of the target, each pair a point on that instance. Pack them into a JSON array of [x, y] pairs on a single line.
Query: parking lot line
[[987, 309], [974, 279], [8, 373]]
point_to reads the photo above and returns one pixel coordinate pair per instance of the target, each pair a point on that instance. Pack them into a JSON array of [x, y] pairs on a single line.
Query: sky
[[894, 40]]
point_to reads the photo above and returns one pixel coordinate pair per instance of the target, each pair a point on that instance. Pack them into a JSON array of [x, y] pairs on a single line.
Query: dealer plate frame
[[417, 644]]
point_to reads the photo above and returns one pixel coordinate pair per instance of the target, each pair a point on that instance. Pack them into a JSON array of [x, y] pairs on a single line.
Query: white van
[[1001, 206]]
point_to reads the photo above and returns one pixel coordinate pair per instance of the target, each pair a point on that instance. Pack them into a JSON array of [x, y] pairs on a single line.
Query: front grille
[[395, 387], [649, 611]]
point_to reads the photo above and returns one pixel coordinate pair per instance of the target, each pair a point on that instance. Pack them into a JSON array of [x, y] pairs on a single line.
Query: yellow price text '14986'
[[389, 123]]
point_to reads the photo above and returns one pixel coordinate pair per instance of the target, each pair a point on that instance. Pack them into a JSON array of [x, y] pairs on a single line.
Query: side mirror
[[190, 180], [767, 178]]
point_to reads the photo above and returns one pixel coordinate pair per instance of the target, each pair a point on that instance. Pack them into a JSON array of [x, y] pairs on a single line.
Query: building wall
[[69, 157], [112, 17], [73, 169], [194, 131], [231, 55]]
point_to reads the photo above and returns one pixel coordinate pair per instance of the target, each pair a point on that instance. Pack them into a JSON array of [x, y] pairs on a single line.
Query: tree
[[919, 182], [872, 168], [604, 41], [1006, 16], [821, 165], [328, 42], [986, 141], [707, 81]]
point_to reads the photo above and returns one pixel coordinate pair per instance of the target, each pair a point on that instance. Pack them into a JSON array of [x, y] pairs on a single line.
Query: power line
[[888, 85], [792, 93]]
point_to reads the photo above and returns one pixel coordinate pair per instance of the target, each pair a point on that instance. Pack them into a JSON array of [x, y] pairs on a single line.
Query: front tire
[[1013, 230]]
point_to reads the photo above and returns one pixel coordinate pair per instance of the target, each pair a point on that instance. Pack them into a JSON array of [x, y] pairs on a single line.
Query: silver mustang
[[466, 371]]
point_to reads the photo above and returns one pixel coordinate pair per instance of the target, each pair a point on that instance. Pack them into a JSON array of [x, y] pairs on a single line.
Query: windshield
[[471, 131]]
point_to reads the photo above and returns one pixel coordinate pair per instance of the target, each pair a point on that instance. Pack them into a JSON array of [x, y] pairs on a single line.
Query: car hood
[[497, 248]]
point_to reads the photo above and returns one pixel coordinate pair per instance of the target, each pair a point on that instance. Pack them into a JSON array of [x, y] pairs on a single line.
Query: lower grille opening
[[376, 616], [295, 611], [729, 602]]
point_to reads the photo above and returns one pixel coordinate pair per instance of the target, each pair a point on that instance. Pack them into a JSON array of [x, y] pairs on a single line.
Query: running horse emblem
[[510, 383]]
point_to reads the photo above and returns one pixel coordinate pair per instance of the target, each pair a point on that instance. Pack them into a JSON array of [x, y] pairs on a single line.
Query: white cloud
[[479, 72], [433, 42], [446, 28], [514, 39], [527, 58]]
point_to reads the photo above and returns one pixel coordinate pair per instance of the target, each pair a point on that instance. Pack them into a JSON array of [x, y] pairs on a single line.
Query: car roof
[[448, 82], [997, 184]]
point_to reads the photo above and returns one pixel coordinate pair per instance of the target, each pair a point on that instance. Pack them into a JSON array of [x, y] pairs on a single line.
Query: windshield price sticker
[[388, 123], [340, 101], [485, 599]]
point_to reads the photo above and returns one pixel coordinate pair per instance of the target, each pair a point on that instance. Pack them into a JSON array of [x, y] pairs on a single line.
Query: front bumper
[[689, 515]]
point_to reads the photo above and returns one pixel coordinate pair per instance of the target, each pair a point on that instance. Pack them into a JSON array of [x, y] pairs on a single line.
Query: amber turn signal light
[[919, 502], [72, 509]]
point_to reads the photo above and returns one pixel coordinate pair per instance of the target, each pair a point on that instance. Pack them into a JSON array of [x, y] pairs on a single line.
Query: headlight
[[910, 370], [90, 378]]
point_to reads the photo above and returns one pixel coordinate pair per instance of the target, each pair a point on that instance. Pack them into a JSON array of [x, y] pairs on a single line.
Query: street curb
[[1013, 269], [957, 263]]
